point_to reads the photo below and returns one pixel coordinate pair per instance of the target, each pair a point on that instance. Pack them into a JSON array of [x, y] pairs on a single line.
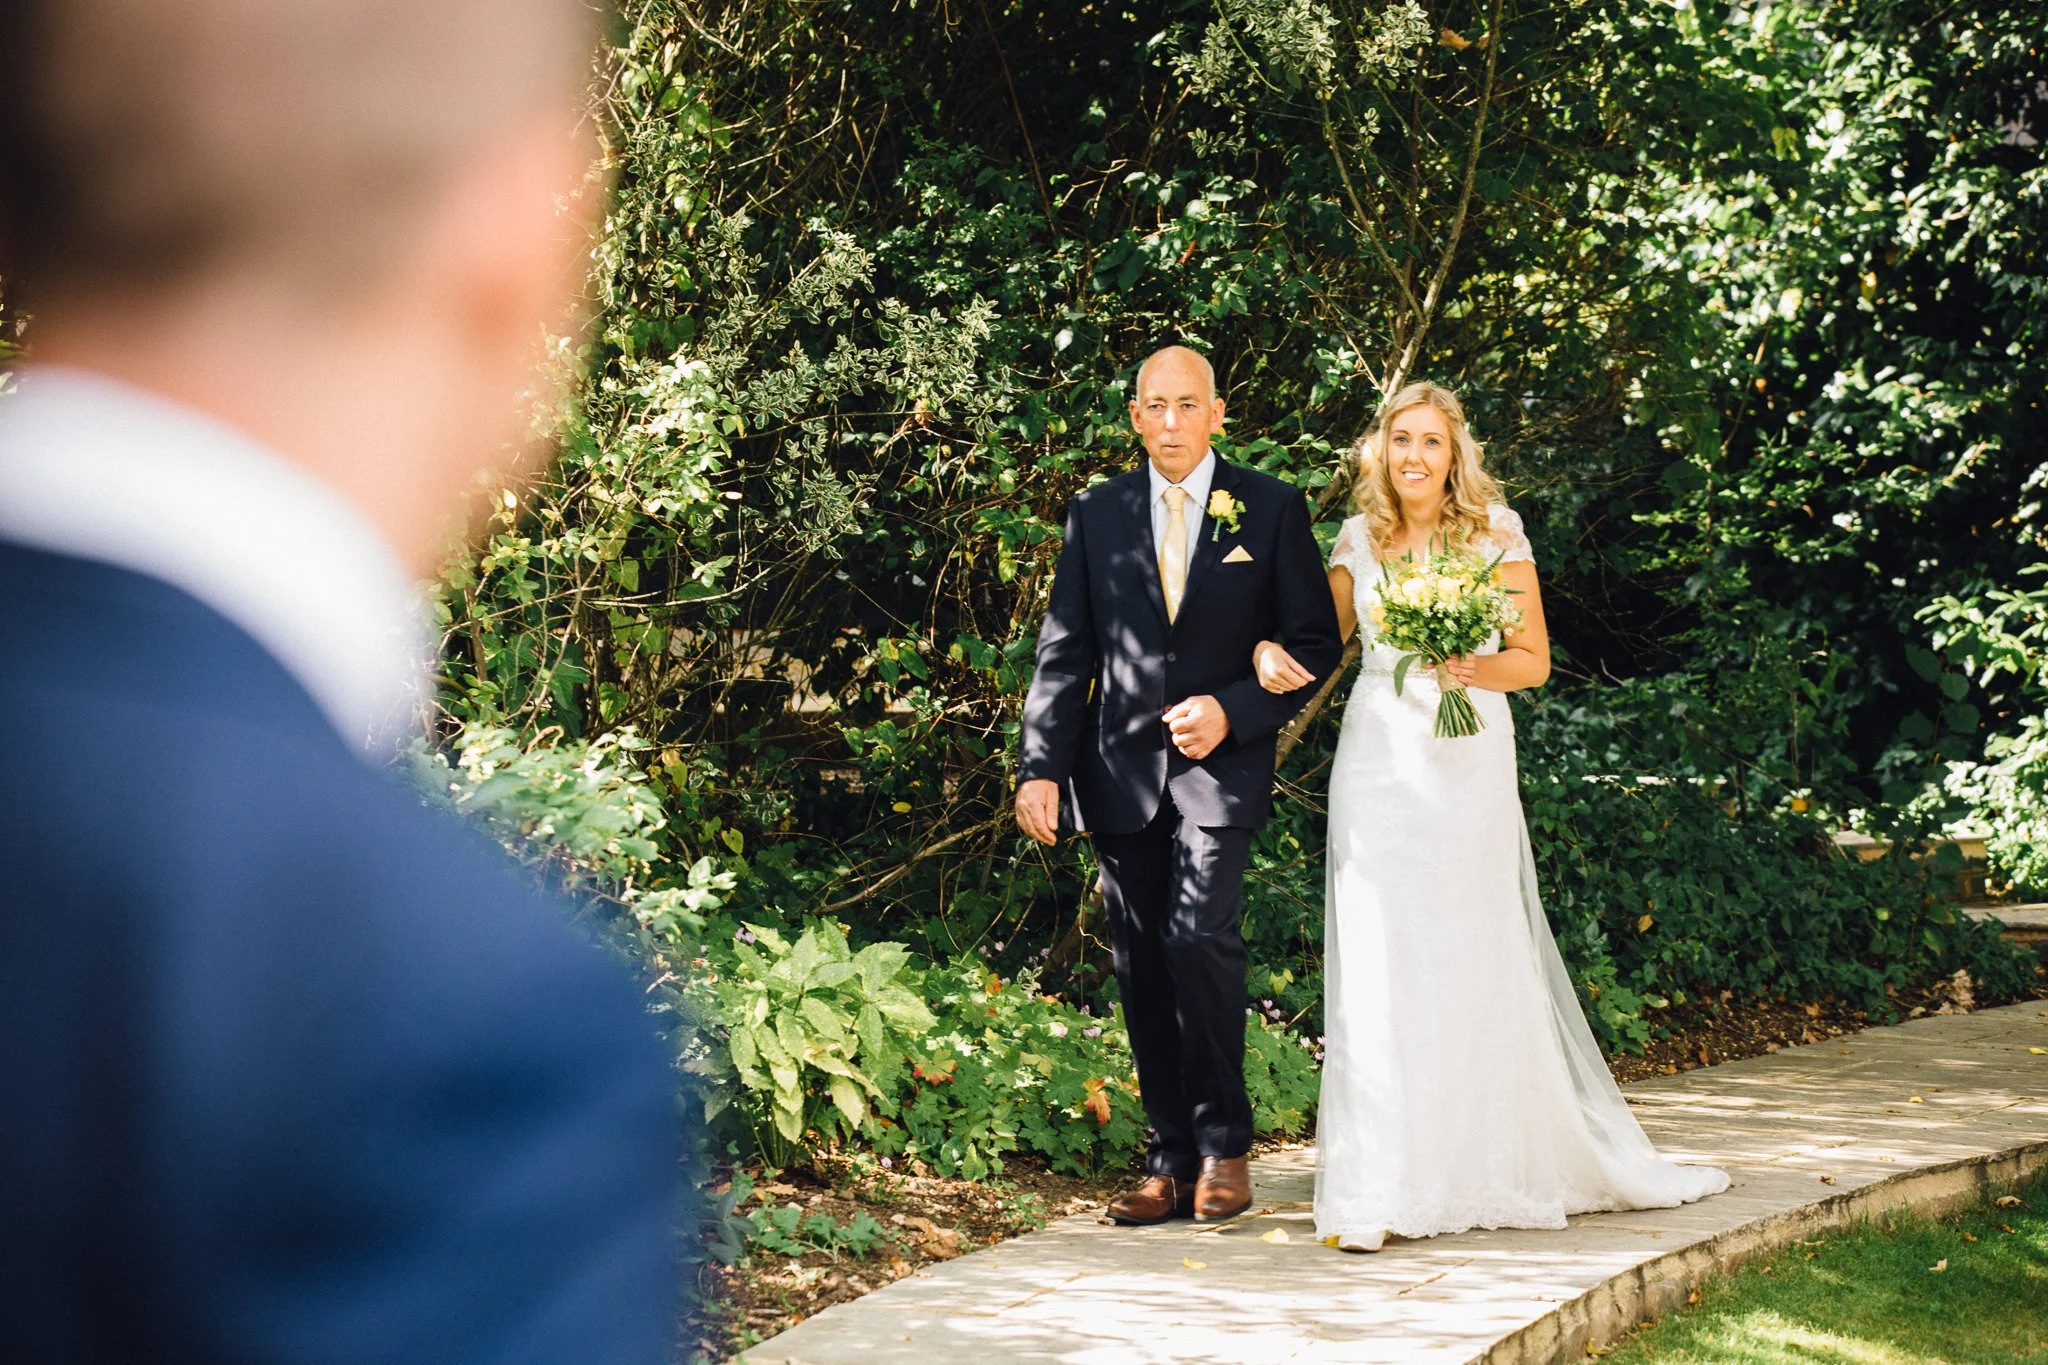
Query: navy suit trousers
[[1175, 892]]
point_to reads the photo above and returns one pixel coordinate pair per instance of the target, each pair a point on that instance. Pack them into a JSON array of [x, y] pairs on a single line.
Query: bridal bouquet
[[1436, 608]]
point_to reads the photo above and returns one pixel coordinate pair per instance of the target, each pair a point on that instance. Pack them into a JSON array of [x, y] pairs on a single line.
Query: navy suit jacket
[[291, 1068], [1109, 664]]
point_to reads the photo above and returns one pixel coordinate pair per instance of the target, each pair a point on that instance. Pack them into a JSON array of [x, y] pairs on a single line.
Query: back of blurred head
[[339, 225]]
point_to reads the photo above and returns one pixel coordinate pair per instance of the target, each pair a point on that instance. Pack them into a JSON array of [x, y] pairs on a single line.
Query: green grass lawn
[[1968, 1289]]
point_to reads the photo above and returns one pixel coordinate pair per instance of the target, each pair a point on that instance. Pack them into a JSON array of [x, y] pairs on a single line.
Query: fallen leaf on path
[[1915, 1099], [2039, 1051], [1192, 1264], [1939, 1265], [943, 1243], [1276, 1236], [1827, 1180]]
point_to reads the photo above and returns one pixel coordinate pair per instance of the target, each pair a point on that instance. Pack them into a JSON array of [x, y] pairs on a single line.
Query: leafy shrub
[[994, 1068], [1996, 640], [1282, 1078], [581, 807], [814, 1031], [2006, 795], [1660, 884], [1006, 1070], [786, 1230]]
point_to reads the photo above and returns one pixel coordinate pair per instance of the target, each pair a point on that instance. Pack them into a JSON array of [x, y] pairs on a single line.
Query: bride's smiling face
[[1419, 454]]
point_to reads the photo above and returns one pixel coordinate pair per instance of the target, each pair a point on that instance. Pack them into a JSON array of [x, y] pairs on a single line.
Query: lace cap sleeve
[[1505, 529], [1352, 550]]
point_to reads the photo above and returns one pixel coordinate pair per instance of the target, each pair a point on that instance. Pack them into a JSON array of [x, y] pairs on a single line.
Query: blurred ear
[[509, 248]]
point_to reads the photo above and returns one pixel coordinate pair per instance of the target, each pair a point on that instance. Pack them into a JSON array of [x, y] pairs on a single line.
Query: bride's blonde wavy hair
[[1470, 491]]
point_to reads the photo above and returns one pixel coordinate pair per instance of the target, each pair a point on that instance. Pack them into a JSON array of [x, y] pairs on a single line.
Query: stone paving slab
[[1261, 1291]]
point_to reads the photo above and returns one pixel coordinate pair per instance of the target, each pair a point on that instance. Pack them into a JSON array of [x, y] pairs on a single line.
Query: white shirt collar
[[93, 467], [1196, 483]]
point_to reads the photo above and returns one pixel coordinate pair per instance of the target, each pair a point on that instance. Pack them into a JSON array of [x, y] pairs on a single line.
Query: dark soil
[[931, 1218]]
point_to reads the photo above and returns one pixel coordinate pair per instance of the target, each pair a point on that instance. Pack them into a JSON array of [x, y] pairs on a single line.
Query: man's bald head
[[147, 145], [1179, 355], [1175, 410]]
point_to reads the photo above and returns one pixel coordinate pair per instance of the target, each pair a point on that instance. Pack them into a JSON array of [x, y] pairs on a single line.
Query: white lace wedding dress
[[1461, 1084]]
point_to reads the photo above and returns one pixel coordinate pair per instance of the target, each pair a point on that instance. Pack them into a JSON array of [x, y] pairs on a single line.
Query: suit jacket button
[[1171, 657]]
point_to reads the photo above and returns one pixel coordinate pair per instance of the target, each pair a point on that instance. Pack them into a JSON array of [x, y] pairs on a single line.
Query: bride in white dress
[[1461, 1085]]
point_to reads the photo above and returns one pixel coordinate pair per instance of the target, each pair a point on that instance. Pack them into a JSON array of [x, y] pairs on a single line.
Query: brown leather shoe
[[1224, 1189], [1159, 1198]]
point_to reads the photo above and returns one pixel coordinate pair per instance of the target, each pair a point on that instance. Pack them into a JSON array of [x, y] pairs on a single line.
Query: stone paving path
[[1812, 1136]]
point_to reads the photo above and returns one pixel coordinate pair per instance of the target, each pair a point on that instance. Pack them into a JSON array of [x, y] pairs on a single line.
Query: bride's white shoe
[[1361, 1241]]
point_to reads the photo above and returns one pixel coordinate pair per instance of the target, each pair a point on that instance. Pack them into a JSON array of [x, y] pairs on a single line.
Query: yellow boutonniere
[[1223, 510]]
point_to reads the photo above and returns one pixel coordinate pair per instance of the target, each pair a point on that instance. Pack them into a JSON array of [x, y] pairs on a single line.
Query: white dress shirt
[[1197, 485], [99, 469]]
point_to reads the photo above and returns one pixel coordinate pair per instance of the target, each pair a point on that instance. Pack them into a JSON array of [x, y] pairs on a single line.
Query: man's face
[[1175, 413]]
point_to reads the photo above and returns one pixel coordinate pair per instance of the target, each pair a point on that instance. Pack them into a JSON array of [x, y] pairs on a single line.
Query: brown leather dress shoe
[[1159, 1198], [1224, 1189]]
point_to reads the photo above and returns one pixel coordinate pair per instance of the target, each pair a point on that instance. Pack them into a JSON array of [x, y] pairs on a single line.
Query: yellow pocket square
[[1238, 556]]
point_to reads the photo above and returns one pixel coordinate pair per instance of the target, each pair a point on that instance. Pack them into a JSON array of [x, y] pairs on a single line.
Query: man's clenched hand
[[1197, 726], [1038, 809]]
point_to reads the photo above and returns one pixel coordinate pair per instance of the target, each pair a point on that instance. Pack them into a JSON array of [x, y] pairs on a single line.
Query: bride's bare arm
[[1276, 669], [1524, 658], [1347, 606]]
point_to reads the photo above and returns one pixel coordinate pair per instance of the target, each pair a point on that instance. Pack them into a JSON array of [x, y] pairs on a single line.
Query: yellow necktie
[[1173, 550]]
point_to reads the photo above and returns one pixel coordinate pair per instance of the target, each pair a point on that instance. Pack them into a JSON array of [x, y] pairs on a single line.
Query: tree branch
[[903, 868], [1398, 375], [1044, 195], [1291, 733]]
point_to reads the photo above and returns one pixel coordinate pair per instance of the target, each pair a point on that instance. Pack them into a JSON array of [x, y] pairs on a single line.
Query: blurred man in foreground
[[290, 1069]]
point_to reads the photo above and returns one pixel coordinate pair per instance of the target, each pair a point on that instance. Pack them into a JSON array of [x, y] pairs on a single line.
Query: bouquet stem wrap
[[1456, 716]]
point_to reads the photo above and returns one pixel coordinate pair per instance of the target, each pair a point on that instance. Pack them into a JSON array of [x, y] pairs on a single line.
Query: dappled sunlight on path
[[1811, 1135]]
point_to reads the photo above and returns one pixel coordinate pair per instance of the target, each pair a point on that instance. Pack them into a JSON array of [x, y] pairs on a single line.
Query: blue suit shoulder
[[302, 1069]]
